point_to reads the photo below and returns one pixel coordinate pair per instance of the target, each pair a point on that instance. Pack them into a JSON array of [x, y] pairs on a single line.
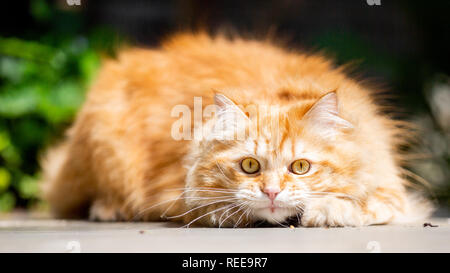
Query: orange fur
[[119, 161]]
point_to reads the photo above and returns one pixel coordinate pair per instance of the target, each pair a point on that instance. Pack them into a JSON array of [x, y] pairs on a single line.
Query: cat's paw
[[332, 212], [104, 212]]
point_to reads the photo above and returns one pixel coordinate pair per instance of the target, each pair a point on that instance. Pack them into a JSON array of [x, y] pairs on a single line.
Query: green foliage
[[43, 79]]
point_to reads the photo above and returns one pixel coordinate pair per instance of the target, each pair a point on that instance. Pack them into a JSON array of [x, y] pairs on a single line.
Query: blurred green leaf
[[5, 179], [28, 187], [43, 79], [12, 69], [60, 104], [7, 201], [88, 64], [29, 50], [18, 101], [4, 140], [12, 156]]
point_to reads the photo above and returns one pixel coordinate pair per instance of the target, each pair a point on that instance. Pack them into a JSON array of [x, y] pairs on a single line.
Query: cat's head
[[266, 162]]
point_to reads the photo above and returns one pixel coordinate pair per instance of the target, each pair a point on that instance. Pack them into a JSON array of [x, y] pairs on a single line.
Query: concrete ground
[[22, 234]]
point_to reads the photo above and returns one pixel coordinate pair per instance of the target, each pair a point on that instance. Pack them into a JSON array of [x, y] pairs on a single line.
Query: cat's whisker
[[240, 205], [203, 189], [206, 191], [220, 218], [140, 213], [298, 218], [278, 222], [248, 194], [193, 198], [210, 191], [229, 193], [249, 210], [248, 198], [174, 200], [221, 208], [240, 218], [201, 206], [246, 214], [171, 205], [300, 209]]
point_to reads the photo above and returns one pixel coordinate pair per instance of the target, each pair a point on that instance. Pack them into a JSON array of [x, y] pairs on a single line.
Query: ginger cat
[[314, 147]]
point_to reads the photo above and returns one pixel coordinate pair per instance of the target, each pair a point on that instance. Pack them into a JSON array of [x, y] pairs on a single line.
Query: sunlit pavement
[[46, 235]]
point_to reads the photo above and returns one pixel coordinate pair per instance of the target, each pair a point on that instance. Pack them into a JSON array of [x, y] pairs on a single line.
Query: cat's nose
[[271, 192]]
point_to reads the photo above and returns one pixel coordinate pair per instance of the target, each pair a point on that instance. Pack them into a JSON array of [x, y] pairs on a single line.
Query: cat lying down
[[224, 132]]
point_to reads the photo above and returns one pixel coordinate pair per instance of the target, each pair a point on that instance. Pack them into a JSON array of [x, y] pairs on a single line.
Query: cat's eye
[[300, 166], [250, 165]]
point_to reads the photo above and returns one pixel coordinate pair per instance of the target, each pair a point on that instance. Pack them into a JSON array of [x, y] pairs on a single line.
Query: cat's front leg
[[383, 206], [103, 211], [339, 212], [333, 212]]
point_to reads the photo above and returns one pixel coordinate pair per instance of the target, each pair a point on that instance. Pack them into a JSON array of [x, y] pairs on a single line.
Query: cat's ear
[[230, 119], [223, 103], [323, 117]]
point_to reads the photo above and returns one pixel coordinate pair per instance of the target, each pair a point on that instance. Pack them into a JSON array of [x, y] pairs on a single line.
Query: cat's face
[[290, 155]]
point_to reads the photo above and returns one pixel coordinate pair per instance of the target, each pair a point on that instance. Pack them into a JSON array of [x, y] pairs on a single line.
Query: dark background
[[50, 51]]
